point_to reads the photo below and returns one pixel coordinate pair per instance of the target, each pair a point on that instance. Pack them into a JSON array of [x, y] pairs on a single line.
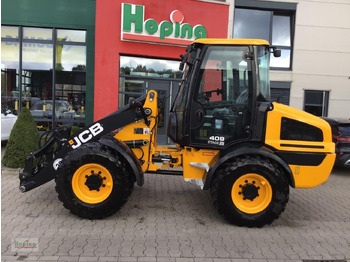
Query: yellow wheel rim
[[92, 183], [251, 193]]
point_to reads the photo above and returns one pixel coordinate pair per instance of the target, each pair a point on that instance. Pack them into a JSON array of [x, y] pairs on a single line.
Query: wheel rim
[[92, 183], [251, 193]]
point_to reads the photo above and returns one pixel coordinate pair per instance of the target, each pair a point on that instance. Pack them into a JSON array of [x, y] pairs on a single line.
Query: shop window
[[269, 21], [130, 88], [134, 71], [316, 102], [9, 69], [29, 55], [159, 68]]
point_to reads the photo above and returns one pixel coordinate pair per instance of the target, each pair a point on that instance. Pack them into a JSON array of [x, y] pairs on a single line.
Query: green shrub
[[23, 140], [74, 129]]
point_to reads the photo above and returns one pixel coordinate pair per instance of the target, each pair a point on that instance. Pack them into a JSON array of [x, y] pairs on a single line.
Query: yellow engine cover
[[305, 143]]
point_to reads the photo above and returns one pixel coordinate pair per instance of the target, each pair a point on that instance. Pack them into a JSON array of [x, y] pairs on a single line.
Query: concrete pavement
[[171, 220]]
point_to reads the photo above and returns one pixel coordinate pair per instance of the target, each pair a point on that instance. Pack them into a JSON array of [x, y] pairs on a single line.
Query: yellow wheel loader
[[228, 138]]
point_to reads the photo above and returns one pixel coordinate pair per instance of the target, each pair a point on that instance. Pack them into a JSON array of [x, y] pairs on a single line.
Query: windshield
[[225, 76], [263, 67]]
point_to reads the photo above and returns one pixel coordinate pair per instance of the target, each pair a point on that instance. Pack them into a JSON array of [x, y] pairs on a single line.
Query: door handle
[[199, 114]]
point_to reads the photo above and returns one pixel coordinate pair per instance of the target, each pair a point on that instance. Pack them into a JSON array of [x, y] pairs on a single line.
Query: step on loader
[[228, 138]]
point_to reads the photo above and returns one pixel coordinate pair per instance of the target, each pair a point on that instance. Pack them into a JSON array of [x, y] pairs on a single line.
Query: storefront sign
[[174, 32]]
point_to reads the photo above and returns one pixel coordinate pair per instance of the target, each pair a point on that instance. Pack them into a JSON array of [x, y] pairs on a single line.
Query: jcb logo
[[86, 135]]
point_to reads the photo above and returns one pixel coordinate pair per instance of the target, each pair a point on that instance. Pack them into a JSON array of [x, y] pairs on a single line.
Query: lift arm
[[47, 159]]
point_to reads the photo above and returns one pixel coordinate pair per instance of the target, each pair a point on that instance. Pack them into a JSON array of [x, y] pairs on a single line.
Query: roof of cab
[[225, 41]]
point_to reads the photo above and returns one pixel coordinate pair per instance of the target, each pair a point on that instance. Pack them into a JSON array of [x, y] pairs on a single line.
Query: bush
[[74, 129], [23, 140]]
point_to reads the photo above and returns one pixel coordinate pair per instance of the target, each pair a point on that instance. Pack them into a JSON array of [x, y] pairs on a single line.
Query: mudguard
[[127, 154], [249, 151]]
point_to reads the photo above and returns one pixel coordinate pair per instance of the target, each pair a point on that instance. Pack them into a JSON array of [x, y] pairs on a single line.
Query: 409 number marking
[[217, 140]]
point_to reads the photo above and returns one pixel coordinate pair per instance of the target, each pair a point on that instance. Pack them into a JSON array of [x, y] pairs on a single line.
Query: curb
[[10, 171]]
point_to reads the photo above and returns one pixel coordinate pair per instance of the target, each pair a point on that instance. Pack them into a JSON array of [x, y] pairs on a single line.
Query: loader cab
[[223, 83]]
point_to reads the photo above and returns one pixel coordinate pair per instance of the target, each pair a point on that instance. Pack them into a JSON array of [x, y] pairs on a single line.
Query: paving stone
[[87, 258], [68, 258], [48, 258], [168, 220]]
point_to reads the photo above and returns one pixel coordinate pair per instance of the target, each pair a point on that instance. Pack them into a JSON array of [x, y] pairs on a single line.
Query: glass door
[[134, 87], [163, 90]]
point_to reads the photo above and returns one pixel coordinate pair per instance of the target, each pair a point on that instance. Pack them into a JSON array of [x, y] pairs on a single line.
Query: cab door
[[221, 104]]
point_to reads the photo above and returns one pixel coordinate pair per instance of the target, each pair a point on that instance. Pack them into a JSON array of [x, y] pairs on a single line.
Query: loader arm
[[60, 143]]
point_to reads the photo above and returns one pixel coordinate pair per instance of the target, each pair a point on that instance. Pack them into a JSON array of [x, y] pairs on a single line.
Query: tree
[[23, 140], [140, 68]]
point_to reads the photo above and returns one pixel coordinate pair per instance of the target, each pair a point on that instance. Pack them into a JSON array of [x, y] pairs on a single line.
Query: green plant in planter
[[23, 140]]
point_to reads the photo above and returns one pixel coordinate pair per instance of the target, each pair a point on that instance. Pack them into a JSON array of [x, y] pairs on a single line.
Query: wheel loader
[[227, 137]]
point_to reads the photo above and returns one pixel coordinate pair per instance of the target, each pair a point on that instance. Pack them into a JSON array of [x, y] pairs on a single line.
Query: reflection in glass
[[34, 33], [9, 76], [9, 32], [36, 56], [37, 88], [281, 31], [252, 24], [149, 67], [36, 79], [264, 80], [222, 95], [129, 88], [283, 61], [162, 96], [313, 97], [37, 66], [316, 102], [43, 110], [268, 25], [70, 57], [9, 54], [71, 35], [70, 85]]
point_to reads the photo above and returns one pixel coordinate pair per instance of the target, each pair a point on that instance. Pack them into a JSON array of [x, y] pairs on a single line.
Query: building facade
[[138, 46], [103, 52], [47, 54]]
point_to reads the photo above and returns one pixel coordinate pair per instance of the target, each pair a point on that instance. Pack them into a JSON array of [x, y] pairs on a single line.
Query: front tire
[[92, 182], [250, 191]]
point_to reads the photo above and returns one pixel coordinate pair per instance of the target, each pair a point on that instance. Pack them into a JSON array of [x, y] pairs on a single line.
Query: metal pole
[[54, 79]]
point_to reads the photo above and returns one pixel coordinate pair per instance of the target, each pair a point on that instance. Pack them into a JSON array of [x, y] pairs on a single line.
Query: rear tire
[[92, 182], [250, 191]]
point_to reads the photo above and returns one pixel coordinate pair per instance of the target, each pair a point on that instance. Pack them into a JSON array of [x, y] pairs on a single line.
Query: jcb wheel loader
[[228, 137]]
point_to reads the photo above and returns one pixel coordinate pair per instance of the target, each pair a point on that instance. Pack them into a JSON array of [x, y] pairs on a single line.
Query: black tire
[[81, 163], [234, 205]]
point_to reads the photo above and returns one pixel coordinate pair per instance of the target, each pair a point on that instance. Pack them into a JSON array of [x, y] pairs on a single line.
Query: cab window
[[220, 107]]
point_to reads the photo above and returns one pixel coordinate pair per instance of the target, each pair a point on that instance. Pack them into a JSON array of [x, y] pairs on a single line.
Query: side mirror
[[277, 53]]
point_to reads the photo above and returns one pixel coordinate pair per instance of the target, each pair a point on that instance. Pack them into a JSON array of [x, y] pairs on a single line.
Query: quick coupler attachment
[[26, 174], [26, 186], [43, 171]]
